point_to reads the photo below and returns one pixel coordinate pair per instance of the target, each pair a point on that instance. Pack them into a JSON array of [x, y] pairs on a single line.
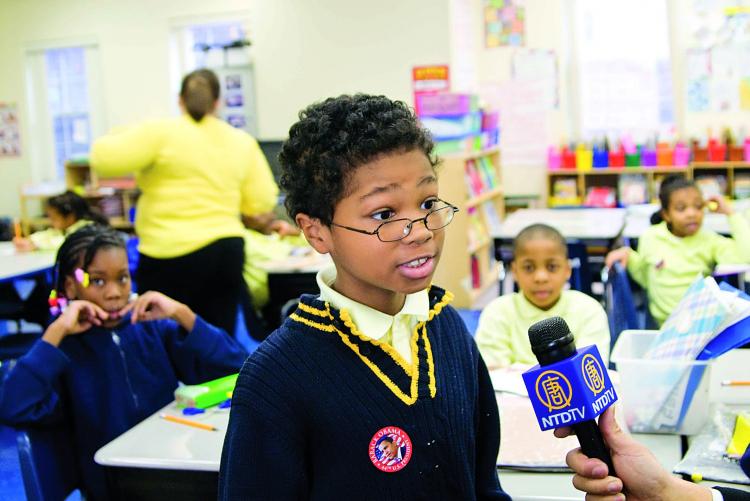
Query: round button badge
[[390, 449]]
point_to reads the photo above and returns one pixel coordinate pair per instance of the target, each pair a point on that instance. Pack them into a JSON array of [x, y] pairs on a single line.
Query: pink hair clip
[[82, 277]]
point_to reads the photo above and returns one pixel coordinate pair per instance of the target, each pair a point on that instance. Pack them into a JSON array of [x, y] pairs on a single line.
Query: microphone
[[570, 386]]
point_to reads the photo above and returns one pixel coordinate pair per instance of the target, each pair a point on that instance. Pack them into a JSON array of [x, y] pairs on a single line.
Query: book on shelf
[[477, 232], [487, 168], [742, 186], [601, 196], [476, 274], [474, 181], [712, 185], [491, 218], [633, 189], [565, 189]]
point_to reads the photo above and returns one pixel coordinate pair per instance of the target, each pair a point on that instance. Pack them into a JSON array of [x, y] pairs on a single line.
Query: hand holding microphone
[[569, 387]]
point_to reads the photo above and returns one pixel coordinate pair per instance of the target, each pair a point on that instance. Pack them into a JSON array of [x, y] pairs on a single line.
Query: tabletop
[[583, 224], [14, 265]]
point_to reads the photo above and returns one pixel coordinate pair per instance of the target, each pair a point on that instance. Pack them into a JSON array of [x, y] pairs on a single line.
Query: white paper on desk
[[509, 380], [522, 444]]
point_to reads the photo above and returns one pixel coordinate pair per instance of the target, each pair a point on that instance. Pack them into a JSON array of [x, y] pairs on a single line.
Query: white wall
[[304, 51], [547, 27]]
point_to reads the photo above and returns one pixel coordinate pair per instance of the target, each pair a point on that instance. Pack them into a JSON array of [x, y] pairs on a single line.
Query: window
[[624, 70], [60, 82], [67, 98]]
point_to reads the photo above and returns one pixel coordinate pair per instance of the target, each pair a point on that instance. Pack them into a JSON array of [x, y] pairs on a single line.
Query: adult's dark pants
[[208, 280]]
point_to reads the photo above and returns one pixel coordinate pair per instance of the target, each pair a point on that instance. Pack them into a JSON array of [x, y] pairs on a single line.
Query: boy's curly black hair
[[335, 137]]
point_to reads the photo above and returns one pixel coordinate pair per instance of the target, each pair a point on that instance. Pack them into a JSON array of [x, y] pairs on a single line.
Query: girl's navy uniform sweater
[[104, 381], [311, 401]]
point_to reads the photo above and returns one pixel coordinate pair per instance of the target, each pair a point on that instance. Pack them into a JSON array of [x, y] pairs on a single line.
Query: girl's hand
[[23, 244], [619, 255], [719, 205], [154, 306], [79, 316], [283, 228]]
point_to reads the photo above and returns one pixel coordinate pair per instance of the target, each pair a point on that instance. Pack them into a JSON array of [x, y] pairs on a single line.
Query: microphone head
[[548, 334]]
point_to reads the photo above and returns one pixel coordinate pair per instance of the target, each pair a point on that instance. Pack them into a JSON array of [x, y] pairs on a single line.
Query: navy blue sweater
[[313, 399], [105, 381]]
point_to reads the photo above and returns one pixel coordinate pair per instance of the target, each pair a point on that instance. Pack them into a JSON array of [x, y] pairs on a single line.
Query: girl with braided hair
[[109, 361]]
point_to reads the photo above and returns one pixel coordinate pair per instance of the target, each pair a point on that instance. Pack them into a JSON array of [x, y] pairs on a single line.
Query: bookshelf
[[735, 174], [468, 267], [115, 197]]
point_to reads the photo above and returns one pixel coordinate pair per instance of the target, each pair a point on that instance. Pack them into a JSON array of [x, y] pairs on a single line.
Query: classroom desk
[[15, 265], [158, 456], [581, 224], [533, 486]]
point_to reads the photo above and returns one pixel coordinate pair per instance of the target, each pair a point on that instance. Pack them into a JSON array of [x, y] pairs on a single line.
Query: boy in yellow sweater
[[540, 267], [676, 249]]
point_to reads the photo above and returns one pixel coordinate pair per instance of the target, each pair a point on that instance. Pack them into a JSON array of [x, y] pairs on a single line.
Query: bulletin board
[[504, 23], [717, 66]]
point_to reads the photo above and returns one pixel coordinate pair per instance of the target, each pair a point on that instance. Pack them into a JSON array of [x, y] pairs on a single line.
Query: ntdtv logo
[[573, 390]]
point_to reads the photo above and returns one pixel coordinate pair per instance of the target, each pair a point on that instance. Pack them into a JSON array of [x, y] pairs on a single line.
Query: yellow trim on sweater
[[310, 323], [412, 371], [386, 347], [314, 311]]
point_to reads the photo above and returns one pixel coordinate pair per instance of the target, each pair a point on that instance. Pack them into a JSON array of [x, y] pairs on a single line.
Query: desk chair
[[620, 306], [580, 277], [48, 465], [131, 247]]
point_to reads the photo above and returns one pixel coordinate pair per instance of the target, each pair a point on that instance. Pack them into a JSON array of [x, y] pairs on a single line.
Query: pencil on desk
[[188, 422], [728, 382], [17, 228]]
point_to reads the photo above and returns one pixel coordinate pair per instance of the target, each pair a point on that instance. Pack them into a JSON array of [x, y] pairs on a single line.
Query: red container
[[700, 154], [568, 159], [617, 158], [736, 153], [717, 152]]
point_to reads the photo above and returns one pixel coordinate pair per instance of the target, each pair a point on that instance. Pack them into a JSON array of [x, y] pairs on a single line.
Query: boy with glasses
[[379, 353]]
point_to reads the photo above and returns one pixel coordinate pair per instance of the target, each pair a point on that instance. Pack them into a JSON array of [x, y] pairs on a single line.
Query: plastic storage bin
[[660, 396]]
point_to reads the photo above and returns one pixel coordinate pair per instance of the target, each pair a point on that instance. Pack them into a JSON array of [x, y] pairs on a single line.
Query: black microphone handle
[[592, 443]]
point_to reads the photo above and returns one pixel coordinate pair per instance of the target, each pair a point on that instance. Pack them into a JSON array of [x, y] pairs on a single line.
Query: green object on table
[[206, 394]]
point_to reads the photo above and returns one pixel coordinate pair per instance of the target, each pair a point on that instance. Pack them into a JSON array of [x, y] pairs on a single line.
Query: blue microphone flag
[[573, 390]]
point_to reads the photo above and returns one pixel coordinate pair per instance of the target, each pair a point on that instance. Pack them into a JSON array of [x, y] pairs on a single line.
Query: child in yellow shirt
[[540, 267], [676, 249], [67, 213]]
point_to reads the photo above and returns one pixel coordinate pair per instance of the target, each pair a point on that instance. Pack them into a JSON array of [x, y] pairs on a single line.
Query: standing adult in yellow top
[[197, 175]]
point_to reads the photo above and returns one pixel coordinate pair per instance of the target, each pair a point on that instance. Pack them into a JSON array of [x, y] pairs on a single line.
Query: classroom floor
[[11, 484]]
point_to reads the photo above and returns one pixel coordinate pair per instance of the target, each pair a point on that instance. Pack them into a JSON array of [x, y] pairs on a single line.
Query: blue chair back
[[580, 277], [48, 464], [621, 310], [131, 247]]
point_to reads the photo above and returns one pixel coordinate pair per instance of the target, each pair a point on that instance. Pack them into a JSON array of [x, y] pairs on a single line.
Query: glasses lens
[[393, 230], [440, 218]]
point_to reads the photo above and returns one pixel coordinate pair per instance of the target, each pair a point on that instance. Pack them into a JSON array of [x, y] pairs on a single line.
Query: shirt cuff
[[716, 495]]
